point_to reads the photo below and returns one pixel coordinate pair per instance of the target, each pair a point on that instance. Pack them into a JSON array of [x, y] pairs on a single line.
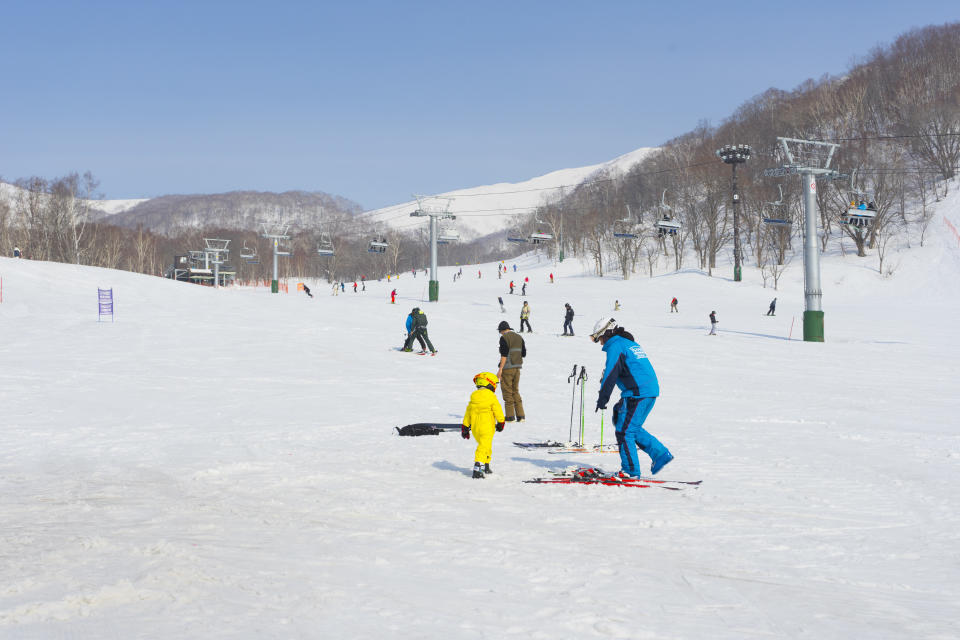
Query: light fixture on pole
[[734, 154]]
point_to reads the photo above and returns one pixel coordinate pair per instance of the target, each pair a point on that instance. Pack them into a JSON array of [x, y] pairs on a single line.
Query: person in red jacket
[[393, 297]]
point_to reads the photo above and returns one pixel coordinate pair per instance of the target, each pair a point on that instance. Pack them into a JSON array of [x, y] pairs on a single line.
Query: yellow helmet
[[485, 378]]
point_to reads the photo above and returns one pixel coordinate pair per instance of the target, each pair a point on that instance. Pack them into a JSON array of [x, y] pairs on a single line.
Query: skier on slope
[[568, 320], [628, 368], [713, 323], [418, 329], [512, 352], [525, 317], [673, 306], [482, 417], [410, 334], [772, 311]]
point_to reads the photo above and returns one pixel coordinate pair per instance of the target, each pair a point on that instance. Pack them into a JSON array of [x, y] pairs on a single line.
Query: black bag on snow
[[419, 429]]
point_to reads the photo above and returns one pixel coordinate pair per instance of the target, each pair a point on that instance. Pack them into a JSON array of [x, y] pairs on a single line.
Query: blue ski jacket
[[629, 369]]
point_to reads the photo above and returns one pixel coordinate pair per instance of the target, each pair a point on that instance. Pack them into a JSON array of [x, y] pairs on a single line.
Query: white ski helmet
[[602, 326]]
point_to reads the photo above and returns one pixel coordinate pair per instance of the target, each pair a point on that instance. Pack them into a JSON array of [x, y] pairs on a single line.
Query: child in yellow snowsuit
[[483, 416]]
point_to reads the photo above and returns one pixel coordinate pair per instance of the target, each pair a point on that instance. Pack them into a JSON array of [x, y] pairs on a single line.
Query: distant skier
[[503, 309], [525, 317], [393, 297], [523, 289], [514, 268], [483, 416], [354, 287], [713, 323], [772, 311], [16, 252], [343, 288], [336, 289], [673, 306], [568, 320], [551, 278], [511, 287], [512, 352], [306, 290], [479, 275], [628, 368], [616, 305]]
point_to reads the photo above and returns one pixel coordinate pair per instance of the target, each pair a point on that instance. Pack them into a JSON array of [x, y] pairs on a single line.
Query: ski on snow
[[591, 475]]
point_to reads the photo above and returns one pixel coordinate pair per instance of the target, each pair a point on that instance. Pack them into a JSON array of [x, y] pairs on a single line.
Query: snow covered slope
[[221, 463], [491, 208]]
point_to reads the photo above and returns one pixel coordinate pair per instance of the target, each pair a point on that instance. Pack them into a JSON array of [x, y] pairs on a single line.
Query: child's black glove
[[499, 426], [465, 433]]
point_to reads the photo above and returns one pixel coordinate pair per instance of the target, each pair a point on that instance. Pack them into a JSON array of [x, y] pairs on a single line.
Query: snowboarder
[[393, 297], [511, 287], [568, 320], [628, 368], [418, 328], [772, 311], [419, 338], [512, 352], [306, 290], [523, 289], [482, 417], [525, 317], [713, 323], [673, 306]]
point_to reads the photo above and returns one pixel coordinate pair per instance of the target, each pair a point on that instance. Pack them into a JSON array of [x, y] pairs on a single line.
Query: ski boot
[[486, 469], [662, 460], [477, 470]]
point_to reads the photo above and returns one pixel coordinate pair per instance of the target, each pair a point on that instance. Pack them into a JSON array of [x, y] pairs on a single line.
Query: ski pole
[[583, 383], [572, 377], [602, 411]]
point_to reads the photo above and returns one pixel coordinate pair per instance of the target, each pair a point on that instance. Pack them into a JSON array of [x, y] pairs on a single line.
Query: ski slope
[[222, 463], [492, 208]]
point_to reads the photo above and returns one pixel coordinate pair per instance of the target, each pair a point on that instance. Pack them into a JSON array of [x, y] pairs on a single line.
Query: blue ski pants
[[629, 414]]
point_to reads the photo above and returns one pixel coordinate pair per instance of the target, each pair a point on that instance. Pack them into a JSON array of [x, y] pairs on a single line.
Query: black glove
[[600, 406], [499, 426], [465, 433]]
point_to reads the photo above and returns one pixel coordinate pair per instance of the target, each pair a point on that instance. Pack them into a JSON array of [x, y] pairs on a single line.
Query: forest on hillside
[[894, 116]]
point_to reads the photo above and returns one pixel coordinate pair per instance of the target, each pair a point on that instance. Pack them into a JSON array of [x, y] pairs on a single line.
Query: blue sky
[[375, 101]]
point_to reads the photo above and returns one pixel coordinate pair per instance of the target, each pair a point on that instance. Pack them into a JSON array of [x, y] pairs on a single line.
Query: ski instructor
[[628, 368]]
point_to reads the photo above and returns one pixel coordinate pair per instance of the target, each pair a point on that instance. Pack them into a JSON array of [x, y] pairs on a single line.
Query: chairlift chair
[[666, 225], [861, 210], [515, 235], [774, 216], [325, 246], [625, 228], [447, 234], [378, 245], [247, 253]]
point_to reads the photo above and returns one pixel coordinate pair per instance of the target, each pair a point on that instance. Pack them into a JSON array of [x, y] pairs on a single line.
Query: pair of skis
[[593, 475]]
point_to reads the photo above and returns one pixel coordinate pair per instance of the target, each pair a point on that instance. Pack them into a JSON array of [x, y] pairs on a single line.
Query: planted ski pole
[[572, 378], [602, 411], [583, 383]]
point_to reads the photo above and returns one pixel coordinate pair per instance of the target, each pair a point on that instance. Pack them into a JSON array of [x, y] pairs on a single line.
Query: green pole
[[813, 326], [434, 290]]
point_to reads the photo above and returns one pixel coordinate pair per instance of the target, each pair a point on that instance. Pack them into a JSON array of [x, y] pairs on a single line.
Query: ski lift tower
[[276, 231], [436, 208], [810, 160], [216, 251]]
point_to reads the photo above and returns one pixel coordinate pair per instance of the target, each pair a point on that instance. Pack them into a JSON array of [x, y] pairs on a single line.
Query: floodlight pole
[[812, 293], [434, 279], [733, 155]]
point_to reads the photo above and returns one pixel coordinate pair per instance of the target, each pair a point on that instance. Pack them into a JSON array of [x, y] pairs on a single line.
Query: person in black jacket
[[772, 311], [568, 320], [713, 323]]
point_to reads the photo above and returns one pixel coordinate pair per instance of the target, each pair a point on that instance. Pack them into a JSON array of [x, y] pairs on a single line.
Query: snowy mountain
[[480, 210], [491, 208], [221, 463]]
